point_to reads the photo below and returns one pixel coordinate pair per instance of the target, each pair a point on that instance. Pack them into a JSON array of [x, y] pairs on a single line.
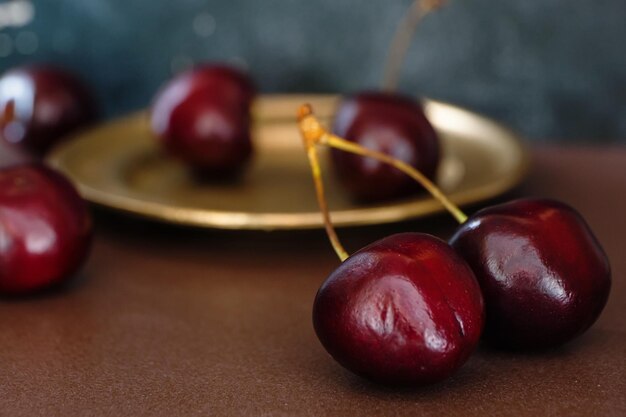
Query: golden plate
[[119, 165]]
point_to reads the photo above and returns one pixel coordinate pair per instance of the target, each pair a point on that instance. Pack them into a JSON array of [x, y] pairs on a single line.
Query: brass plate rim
[[392, 212]]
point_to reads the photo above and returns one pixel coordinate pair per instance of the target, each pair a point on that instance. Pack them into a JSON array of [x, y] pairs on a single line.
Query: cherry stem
[[308, 126], [7, 116], [402, 40], [313, 133]]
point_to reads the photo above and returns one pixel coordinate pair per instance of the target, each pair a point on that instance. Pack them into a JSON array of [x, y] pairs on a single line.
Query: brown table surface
[[170, 321]]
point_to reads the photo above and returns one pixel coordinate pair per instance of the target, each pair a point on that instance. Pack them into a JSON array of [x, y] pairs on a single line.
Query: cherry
[[40, 105], [208, 135], [202, 117], [45, 229], [543, 274], [392, 124], [403, 310]]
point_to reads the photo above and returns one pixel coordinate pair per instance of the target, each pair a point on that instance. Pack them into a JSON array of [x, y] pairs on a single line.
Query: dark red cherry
[[45, 229], [40, 105], [404, 310], [209, 136], [388, 123], [203, 118], [544, 276]]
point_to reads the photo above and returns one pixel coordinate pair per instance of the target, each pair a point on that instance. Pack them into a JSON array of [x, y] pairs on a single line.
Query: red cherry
[[40, 105], [209, 135], [45, 229], [203, 118], [403, 310], [387, 123], [543, 274]]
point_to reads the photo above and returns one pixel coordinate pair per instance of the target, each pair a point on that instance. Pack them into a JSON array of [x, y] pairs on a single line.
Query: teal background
[[553, 69]]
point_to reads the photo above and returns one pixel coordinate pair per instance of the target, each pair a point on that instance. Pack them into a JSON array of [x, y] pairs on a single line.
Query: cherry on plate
[[202, 117], [392, 124]]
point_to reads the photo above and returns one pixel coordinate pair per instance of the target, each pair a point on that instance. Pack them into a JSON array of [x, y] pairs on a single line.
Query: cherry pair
[[203, 118], [45, 226], [409, 308]]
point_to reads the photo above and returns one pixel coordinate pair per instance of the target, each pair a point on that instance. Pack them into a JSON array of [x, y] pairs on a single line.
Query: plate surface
[[119, 165]]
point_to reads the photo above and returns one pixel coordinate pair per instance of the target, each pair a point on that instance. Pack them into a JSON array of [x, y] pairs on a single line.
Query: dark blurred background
[[553, 69]]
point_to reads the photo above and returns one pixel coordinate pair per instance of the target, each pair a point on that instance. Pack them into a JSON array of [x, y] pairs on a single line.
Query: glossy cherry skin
[[40, 105], [45, 229], [203, 118], [544, 276], [388, 123], [404, 310], [209, 136]]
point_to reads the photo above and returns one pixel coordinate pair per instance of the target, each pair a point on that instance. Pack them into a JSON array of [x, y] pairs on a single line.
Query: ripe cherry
[[403, 310], [544, 276], [40, 105], [45, 229], [202, 117], [392, 124]]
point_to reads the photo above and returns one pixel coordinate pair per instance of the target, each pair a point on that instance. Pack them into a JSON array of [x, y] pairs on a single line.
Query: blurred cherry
[[202, 117], [40, 105], [544, 276], [392, 124], [45, 229]]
